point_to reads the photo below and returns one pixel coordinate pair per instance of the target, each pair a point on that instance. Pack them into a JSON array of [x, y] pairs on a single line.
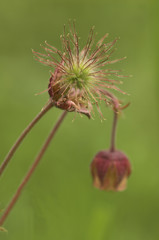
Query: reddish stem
[[112, 145], [32, 169], [22, 136]]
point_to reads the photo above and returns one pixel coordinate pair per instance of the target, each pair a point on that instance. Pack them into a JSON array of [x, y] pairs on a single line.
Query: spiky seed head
[[81, 77]]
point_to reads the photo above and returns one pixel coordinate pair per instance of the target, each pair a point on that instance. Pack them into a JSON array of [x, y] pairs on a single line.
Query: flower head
[[80, 78], [110, 170]]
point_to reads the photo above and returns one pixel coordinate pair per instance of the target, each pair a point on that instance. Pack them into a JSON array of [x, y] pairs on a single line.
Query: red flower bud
[[110, 170]]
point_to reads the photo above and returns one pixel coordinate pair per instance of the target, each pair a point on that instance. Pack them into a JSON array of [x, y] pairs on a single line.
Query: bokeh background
[[60, 202]]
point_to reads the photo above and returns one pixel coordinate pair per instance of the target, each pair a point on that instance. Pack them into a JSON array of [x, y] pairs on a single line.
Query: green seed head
[[81, 78], [78, 76]]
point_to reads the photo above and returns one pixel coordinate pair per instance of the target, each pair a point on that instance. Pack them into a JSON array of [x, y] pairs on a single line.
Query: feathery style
[[81, 78]]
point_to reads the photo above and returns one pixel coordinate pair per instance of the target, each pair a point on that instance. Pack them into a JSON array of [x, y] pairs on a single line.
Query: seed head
[[81, 78], [110, 170]]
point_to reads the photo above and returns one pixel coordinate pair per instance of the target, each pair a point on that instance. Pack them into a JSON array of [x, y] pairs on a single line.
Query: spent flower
[[80, 78]]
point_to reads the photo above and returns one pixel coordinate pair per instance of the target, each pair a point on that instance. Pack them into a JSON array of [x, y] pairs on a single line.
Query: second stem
[[31, 170], [113, 135]]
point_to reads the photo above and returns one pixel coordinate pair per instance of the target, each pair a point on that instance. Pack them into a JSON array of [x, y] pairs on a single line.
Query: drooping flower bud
[[110, 170]]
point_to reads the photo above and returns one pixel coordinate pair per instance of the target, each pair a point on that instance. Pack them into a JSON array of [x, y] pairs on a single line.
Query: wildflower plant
[[80, 79]]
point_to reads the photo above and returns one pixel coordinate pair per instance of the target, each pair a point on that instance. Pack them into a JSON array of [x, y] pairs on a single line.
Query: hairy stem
[[32, 169], [112, 145], [22, 136]]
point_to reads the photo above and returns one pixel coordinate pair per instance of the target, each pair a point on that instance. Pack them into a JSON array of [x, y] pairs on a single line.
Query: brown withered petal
[[110, 170]]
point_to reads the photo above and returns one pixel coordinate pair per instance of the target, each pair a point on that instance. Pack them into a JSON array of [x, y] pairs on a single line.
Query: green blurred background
[[60, 202]]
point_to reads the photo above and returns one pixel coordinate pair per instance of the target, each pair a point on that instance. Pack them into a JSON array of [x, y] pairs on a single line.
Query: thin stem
[[32, 169], [22, 136], [112, 145]]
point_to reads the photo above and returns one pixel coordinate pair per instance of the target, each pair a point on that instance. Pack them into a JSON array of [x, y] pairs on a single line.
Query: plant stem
[[112, 145], [22, 136], [32, 169]]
